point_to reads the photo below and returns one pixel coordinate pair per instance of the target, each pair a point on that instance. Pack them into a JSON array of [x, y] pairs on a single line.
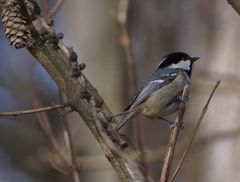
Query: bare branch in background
[[125, 42], [69, 143], [173, 139], [55, 9], [70, 164], [45, 124], [32, 111], [45, 7], [205, 108], [235, 4]]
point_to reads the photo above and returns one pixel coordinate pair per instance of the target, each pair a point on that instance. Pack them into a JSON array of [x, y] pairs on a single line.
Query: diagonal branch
[[204, 110], [78, 91], [132, 165], [173, 139], [235, 4]]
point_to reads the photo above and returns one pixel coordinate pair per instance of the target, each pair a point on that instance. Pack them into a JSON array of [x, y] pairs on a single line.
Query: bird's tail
[[125, 120]]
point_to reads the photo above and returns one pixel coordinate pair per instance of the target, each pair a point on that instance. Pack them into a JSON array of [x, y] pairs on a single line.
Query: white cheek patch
[[185, 65], [157, 81]]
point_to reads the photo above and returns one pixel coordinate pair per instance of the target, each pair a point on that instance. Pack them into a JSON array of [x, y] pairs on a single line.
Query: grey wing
[[156, 81], [141, 97], [145, 93]]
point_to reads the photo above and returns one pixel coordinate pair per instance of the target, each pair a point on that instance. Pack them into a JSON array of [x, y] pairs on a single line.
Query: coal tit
[[160, 95]]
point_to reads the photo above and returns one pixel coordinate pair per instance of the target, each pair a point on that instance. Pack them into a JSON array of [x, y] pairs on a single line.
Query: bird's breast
[[165, 101]]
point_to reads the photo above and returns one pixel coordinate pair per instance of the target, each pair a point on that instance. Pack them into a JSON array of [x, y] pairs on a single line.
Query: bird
[[161, 94]]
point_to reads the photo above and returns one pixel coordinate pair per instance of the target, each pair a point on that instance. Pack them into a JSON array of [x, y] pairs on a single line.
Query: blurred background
[[208, 29]]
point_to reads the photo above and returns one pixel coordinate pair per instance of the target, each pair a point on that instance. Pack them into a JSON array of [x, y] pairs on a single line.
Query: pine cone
[[15, 20]]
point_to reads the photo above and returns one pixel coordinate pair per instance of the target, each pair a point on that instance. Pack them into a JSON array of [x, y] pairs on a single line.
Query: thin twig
[[204, 110], [173, 139], [69, 144], [45, 7], [55, 9], [58, 168], [125, 42], [122, 13], [31, 111], [45, 124], [71, 150]]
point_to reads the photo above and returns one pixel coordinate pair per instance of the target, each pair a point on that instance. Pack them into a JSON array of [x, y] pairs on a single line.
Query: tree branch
[[69, 143], [125, 42], [173, 139], [204, 110], [55, 9], [45, 7], [235, 4], [32, 111], [44, 122], [132, 165], [78, 91]]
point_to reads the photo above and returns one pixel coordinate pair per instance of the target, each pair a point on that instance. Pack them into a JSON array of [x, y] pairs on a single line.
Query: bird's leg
[[166, 120], [183, 99], [179, 98], [172, 123]]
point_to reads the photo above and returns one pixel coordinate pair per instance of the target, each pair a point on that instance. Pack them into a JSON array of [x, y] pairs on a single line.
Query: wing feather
[[160, 78]]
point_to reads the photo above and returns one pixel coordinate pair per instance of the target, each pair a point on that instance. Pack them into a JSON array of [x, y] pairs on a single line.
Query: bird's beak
[[194, 59]]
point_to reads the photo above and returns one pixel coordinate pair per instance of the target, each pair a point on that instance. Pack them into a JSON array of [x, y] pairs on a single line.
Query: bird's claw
[[183, 99], [174, 124]]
